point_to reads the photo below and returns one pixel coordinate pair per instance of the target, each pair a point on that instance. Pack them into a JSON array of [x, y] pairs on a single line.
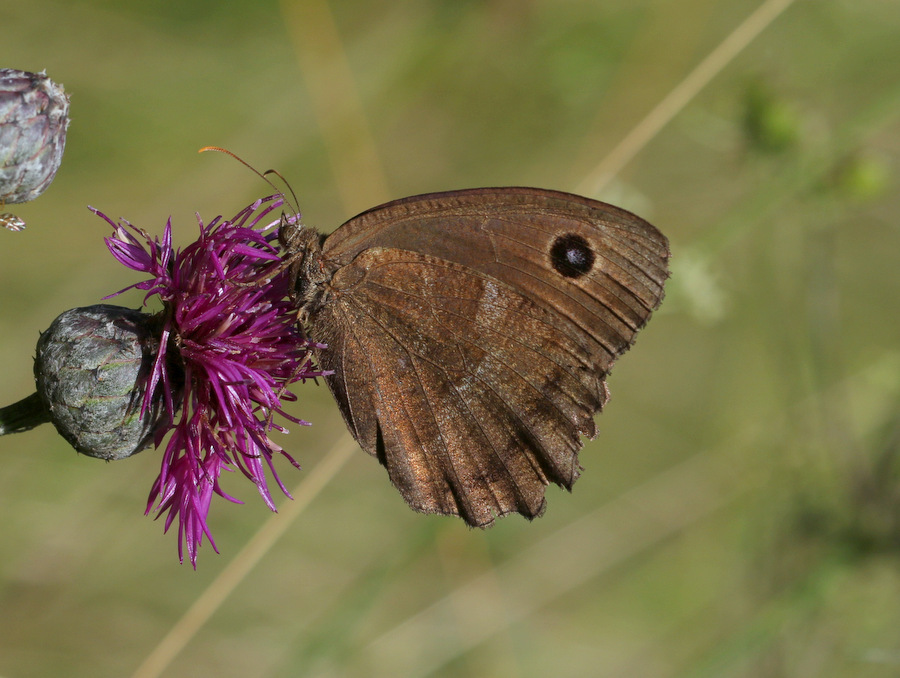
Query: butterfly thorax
[[302, 249]]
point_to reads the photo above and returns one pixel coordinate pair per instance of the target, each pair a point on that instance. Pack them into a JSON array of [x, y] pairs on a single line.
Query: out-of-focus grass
[[739, 514]]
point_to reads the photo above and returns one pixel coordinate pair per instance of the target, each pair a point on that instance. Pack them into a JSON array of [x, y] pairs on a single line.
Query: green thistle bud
[[34, 116], [92, 370]]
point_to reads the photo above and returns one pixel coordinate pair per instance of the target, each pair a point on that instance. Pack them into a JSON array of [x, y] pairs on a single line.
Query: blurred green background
[[739, 514]]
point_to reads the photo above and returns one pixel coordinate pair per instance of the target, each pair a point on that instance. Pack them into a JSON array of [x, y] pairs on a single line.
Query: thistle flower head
[[229, 346]]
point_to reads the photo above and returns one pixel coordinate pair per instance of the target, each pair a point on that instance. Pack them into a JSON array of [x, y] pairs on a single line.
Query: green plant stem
[[23, 415]]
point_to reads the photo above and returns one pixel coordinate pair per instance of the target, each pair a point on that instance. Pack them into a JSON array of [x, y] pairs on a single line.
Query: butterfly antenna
[[295, 206], [240, 160], [262, 175]]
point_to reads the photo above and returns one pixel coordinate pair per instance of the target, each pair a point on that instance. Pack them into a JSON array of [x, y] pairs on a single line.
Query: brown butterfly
[[471, 332]]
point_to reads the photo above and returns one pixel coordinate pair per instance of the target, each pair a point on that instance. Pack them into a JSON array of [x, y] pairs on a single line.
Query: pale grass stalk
[[184, 630], [334, 95], [675, 101], [666, 504], [326, 69]]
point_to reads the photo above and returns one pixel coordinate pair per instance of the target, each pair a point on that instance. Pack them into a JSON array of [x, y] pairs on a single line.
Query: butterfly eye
[[286, 232], [571, 256]]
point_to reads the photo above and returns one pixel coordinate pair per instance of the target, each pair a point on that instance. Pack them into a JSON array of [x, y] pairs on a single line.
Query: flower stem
[[23, 415]]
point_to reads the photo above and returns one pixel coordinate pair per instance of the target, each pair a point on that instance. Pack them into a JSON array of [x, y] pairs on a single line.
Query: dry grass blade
[[342, 122], [246, 559], [664, 505], [632, 143], [334, 95]]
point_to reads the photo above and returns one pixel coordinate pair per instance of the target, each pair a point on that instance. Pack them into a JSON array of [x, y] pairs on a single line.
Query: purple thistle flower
[[228, 348]]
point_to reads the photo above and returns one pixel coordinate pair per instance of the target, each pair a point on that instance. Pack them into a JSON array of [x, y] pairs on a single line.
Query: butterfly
[[469, 335]]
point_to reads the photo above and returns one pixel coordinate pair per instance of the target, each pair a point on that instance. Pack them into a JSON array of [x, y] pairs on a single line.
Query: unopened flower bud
[[92, 370], [34, 116]]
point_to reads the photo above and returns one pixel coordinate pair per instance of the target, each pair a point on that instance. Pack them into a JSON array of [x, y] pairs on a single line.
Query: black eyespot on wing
[[571, 256]]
